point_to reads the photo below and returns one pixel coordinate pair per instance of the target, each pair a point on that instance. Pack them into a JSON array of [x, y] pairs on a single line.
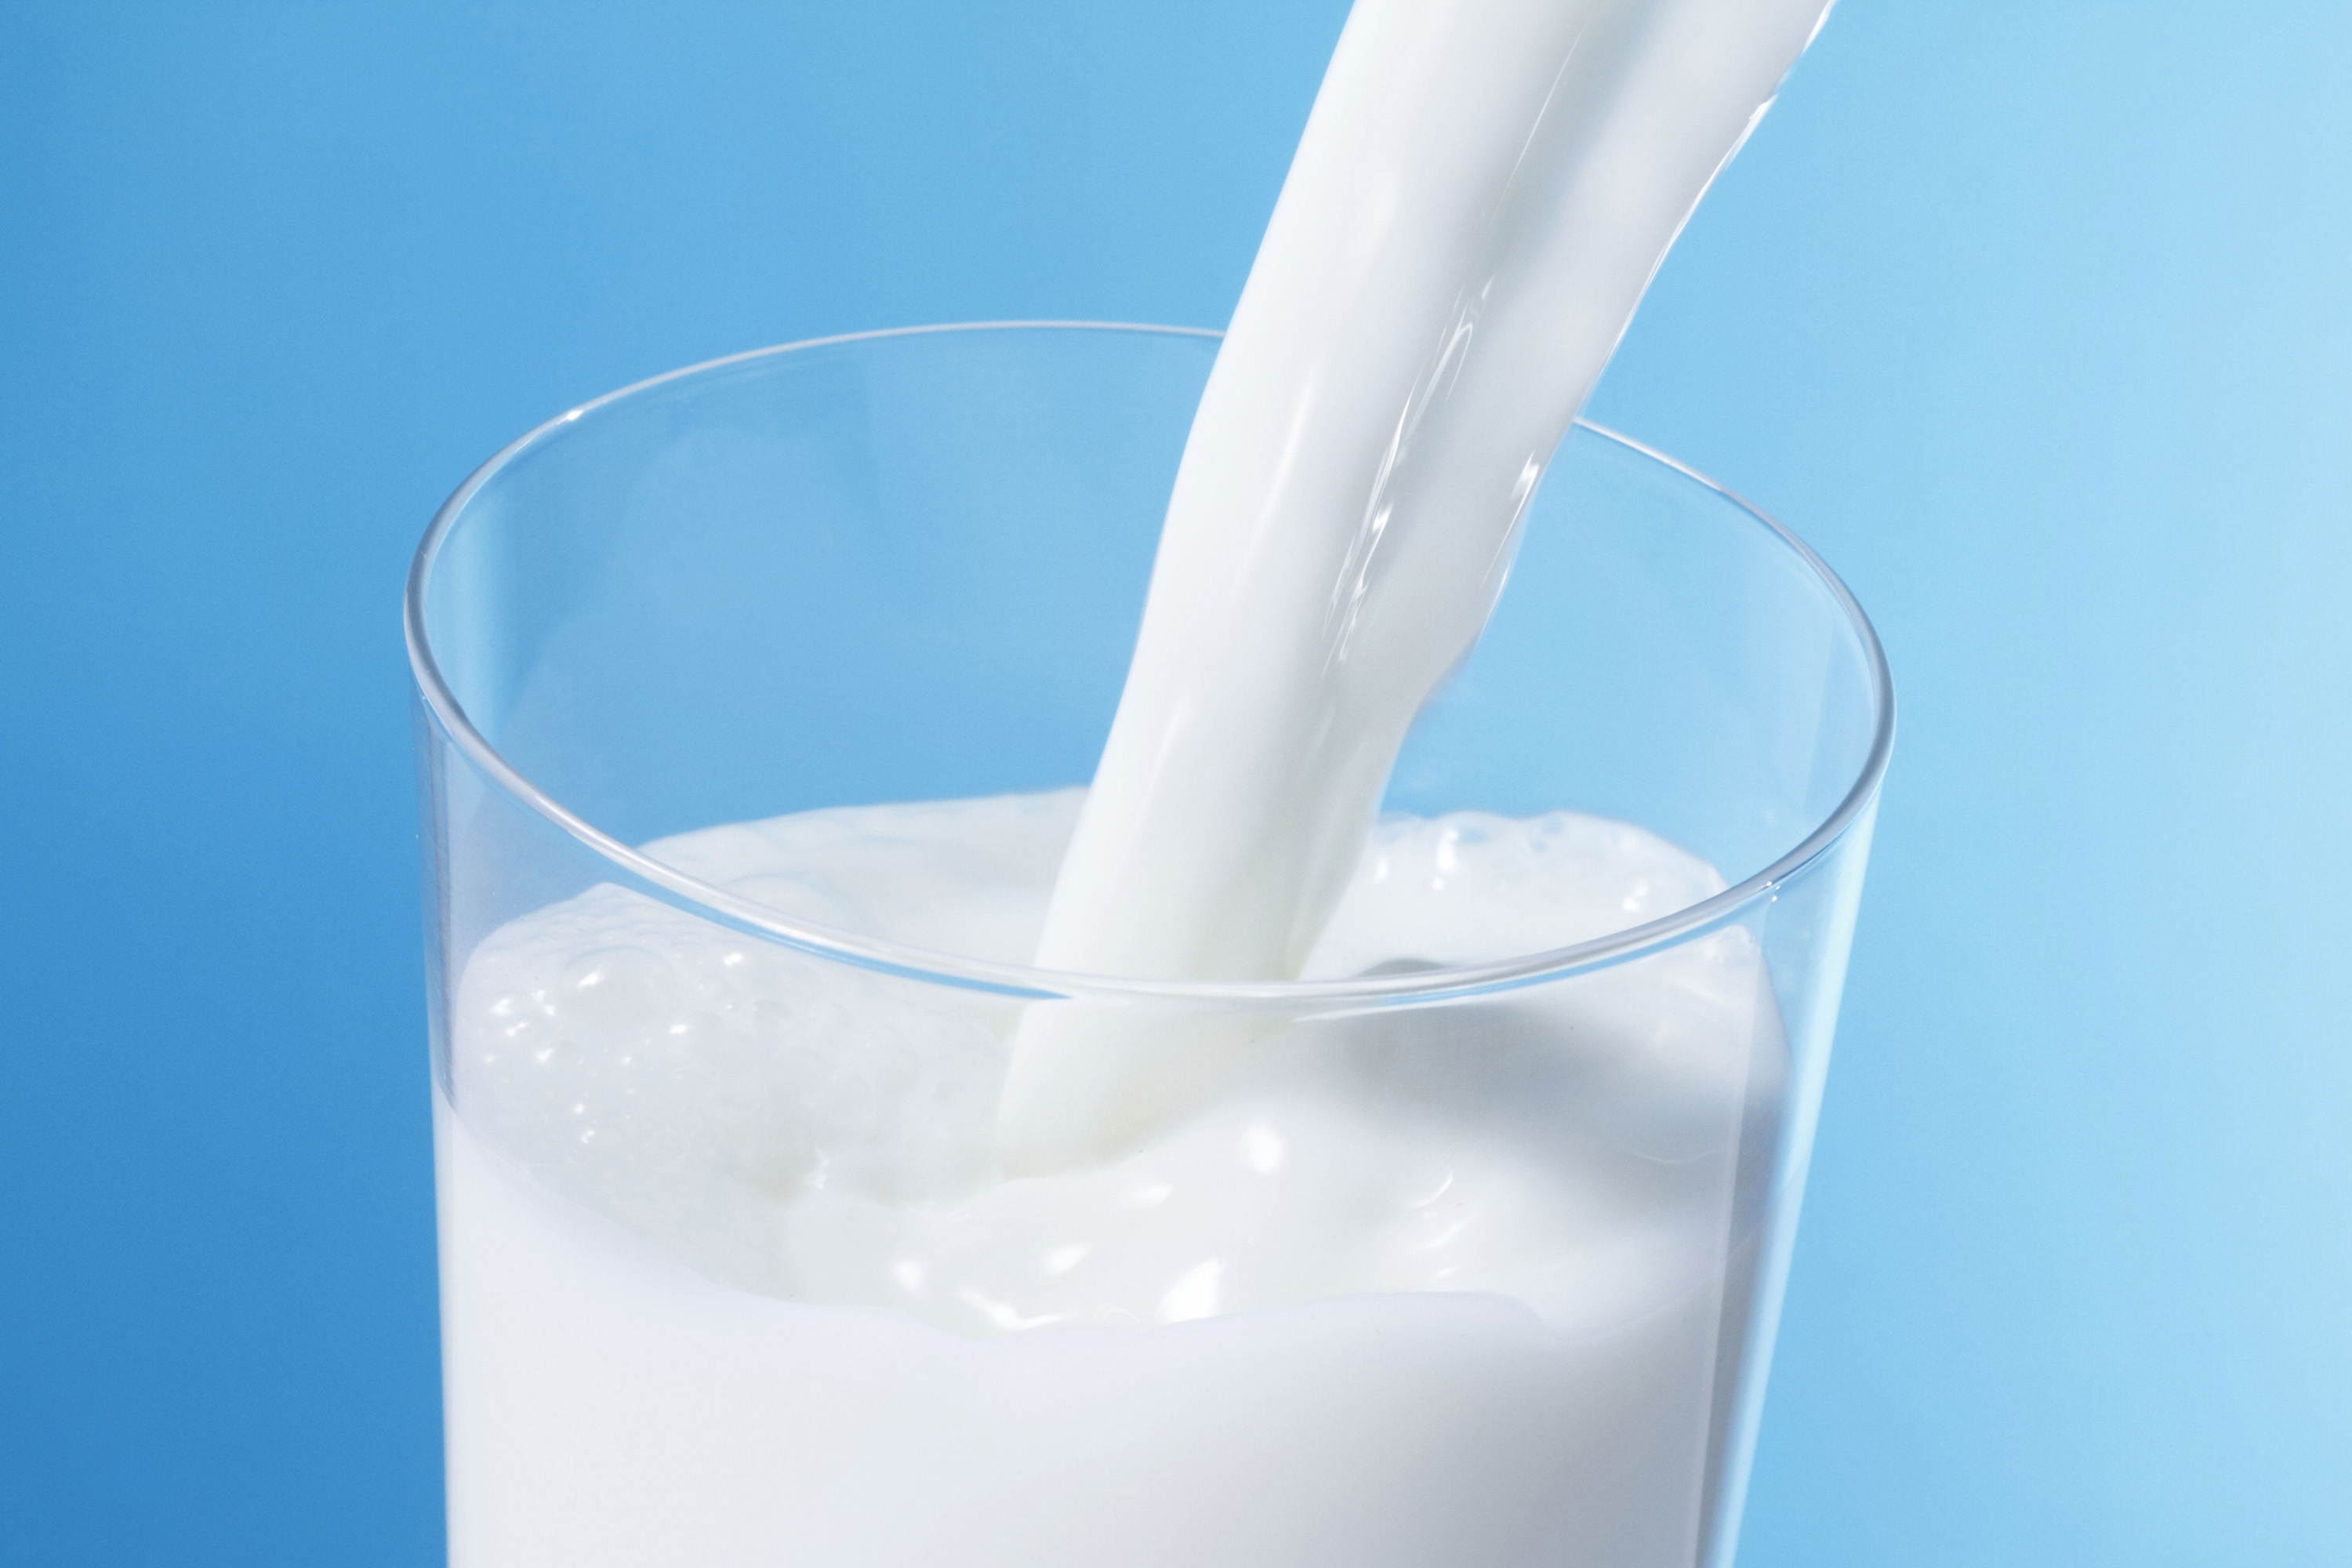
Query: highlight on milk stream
[[1214, 1159]]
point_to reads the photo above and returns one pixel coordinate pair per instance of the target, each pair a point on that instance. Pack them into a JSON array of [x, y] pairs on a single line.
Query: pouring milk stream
[[1481, 197]]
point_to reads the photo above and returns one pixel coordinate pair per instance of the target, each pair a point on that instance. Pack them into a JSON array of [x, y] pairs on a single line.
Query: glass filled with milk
[[757, 705]]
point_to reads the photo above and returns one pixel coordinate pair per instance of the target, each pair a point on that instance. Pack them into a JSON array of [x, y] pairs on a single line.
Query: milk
[[753, 1256], [732, 1270], [1481, 195]]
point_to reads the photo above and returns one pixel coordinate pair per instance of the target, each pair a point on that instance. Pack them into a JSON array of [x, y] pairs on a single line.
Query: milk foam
[[808, 1130]]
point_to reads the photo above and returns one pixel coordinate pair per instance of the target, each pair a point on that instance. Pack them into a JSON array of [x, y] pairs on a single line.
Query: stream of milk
[[1482, 193]]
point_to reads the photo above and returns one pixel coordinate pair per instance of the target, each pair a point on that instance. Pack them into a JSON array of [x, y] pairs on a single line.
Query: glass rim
[[938, 967]]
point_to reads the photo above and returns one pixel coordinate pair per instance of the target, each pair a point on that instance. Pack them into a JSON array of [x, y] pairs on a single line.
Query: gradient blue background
[[2035, 317]]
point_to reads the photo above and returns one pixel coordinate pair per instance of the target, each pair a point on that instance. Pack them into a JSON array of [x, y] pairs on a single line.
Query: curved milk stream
[[1481, 195]]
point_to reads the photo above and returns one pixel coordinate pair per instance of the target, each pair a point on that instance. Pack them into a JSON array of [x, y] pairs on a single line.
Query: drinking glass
[[908, 566]]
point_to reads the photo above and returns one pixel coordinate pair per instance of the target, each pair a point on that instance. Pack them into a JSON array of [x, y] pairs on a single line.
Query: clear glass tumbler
[[682, 1085]]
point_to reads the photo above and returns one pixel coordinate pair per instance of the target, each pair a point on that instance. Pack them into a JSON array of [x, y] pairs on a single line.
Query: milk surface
[[733, 1271], [1483, 192], [808, 1130]]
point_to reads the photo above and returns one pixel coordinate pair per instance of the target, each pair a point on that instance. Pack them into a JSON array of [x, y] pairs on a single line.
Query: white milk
[[743, 1250], [732, 1274], [1482, 195]]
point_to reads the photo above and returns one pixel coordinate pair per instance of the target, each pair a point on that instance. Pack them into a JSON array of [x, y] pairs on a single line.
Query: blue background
[[2035, 317]]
